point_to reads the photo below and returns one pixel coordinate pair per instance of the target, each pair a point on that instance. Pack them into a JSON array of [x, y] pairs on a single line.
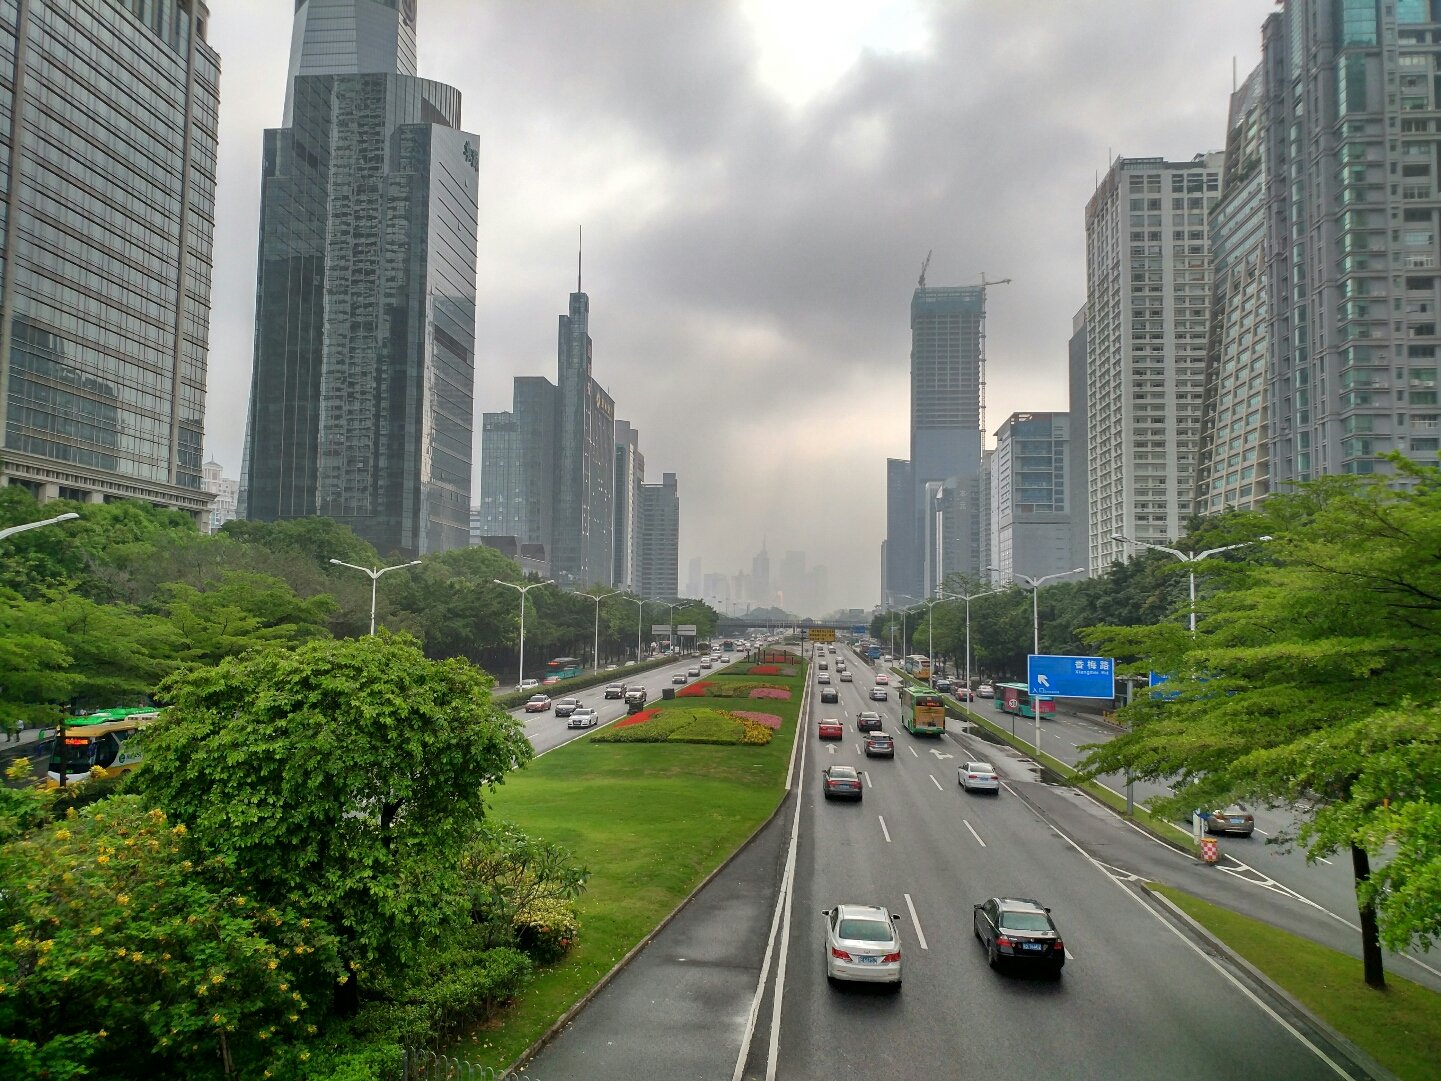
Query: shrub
[[635, 718], [770, 692], [765, 670], [769, 720], [709, 727], [548, 929], [656, 729], [755, 735], [696, 690]]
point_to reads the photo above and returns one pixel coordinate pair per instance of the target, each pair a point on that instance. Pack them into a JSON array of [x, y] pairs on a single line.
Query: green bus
[[923, 711]]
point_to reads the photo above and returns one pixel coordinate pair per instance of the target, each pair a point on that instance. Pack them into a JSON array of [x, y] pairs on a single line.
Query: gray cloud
[[750, 260]]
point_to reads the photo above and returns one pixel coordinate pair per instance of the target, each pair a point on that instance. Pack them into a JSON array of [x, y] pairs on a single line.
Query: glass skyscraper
[[361, 400], [108, 112]]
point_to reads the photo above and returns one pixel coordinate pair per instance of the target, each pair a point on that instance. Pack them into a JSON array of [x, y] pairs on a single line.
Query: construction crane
[[921, 284], [985, 284]]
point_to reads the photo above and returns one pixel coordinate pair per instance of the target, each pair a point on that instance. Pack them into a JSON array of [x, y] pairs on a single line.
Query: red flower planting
[[695, 690], [765, 670], [770, 720], [637, 718], [770, 692]]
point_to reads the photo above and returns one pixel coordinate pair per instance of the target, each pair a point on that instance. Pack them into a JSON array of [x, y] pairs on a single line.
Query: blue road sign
[[859, 628], [1071, 677]]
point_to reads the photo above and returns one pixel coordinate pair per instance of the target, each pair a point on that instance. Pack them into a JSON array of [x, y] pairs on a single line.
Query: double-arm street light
[[639, 603], [374, 579], [968, 598], [595, 655], [1035, 585], [11, 530], [1189, 558], [522, 590]]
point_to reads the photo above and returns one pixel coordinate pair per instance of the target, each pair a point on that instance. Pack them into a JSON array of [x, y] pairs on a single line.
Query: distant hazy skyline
[[759, 181]]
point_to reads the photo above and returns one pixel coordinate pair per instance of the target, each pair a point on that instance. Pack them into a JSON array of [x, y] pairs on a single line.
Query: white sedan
[[584, 717], [979, 777], [862, 944]]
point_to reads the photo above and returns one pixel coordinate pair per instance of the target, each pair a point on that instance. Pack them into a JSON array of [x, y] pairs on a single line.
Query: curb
[[513, 1070], [1358, 1057]]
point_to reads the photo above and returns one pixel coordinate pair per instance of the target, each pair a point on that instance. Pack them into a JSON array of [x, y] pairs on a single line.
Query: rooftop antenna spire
[[579, 251]]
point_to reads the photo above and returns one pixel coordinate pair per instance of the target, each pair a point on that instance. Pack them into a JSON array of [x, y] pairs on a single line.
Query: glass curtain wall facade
[[1354, 260], [1034, 519], [350, 37], [361, 405], [629, 475], [1148, 291], [659, 556], [1233, 467], [108, 123], [585, 461]]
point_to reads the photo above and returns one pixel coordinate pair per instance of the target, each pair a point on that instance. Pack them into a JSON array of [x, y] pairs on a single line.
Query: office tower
[[986, 495], [350, 37], [580, 540], [1077, 484], [901, 577], [1034, 517], [1148, 287], [517, 464], [659, 562], [109, 145], [716, 591], [361, 400], [762, 589], [625, 495], [1352, 249], [1232, 466]]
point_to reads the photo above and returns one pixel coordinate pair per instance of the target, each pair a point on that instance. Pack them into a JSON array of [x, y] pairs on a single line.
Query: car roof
[[862, 912], [842, 771], [868, 713], [1020, 904], [830, 720], [878, 735], [978, 764]]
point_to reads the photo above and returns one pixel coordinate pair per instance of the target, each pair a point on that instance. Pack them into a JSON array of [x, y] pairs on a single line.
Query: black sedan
[[830, 694], [1019, 931], [841, 782]]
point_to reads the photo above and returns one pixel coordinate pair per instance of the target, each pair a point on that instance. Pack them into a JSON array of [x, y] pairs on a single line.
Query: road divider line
[[867, 775], [935, 782], [884, 832], [916, 922], [913, 751], [974, 834]]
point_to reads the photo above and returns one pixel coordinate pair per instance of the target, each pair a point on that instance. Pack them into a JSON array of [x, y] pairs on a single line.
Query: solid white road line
[[884, 831], [916, 922], [974, 834], [935, 782]]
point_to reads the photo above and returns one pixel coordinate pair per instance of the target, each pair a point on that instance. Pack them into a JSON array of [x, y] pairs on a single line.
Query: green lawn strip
[[1400, 1027], [650, 822], [1161, 826]]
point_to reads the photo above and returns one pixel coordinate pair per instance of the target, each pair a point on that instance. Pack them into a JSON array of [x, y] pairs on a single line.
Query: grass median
[[649, 822], [1400, 1026]]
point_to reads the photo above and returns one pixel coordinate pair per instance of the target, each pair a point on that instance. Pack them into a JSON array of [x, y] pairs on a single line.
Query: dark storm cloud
[[750, 259]]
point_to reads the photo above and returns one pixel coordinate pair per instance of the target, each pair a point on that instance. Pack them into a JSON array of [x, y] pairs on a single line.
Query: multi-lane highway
[[1142, 995]]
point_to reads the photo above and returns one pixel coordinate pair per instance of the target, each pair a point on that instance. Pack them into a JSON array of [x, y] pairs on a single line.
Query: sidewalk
[[30, 735]]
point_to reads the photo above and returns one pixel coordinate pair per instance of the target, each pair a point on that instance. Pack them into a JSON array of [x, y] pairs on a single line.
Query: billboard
[[662, 629], [686, 630]]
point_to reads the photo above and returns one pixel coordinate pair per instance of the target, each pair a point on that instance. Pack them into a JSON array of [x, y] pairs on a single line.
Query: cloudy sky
[[759, 181]]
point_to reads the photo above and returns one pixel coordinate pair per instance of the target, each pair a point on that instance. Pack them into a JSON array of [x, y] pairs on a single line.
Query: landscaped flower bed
[[696, 690], [635, 718], [779, 693], [687, 726], [757, 670], [770, 720], [735, 688]]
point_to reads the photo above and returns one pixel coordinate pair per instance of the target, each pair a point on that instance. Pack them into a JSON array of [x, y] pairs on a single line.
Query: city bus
[[98, 740], [923, 711], [563, 668], [919, 668], [1016, 698]]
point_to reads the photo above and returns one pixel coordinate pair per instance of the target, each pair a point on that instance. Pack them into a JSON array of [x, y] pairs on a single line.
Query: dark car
[[841, 782], [942, 685], [1236, 820], [615, 690], [880, 745], [564, 707], [868, 721], [1019, 931], [830, 694]]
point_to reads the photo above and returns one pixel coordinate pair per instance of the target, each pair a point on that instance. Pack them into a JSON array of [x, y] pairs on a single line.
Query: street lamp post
[[670, 624], [11, 530], [1035, 585], [522, 590], [639, 603], [1190, 559], [374, 579], [968, 598], [595, 654]]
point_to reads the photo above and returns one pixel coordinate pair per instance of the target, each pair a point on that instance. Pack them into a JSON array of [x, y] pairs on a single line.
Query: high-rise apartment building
[[361, 400], [625, 497], [517, 464], [1148, 289], [1077, 478], [1233, 466], [108, 144], [947, 332], [659, 562], [1352, 132], [1034, 517]]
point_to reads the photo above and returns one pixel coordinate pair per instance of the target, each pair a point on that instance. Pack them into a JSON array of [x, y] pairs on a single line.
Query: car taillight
[[1002, 940], [891, 958], [1060, 945], [840, 955]]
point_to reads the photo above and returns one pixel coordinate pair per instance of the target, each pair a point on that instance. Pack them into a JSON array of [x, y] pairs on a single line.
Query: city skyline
[[708, 287]]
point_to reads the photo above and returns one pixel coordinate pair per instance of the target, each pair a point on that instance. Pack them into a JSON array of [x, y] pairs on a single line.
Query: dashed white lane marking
[[885, 832], [974, 834], [916, 923], [935, 782], [913, 751]]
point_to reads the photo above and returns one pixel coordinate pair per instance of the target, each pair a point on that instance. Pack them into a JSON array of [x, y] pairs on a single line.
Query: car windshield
[[1025, 921], [980, 767], [865, 930], [537, 698]]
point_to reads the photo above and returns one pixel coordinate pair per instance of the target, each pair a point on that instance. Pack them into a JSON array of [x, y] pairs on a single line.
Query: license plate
[[1032, 946], [867, 960]]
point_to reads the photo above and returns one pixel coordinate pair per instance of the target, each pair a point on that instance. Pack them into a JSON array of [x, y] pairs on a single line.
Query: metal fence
[[420, 1065]]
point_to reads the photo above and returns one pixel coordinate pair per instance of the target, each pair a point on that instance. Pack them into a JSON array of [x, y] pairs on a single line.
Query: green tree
[[128, 954], [1311, 683], [342, 777], [238, 612]]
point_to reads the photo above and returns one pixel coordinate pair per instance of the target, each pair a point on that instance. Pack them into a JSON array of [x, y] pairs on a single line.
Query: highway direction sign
[[1071, 677]]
